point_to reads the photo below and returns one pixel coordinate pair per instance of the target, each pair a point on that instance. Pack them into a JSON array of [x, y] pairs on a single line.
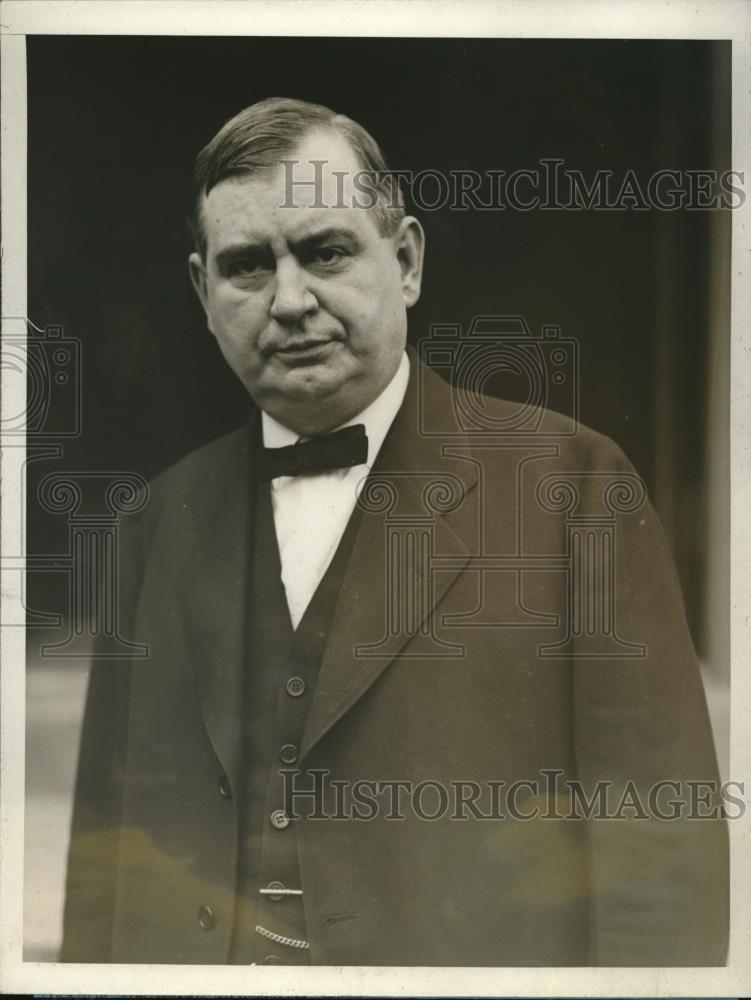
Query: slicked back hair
[[262, 134]]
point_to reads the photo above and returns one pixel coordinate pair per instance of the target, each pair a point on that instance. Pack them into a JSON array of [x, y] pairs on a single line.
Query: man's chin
[[303, 387], [310, 400], [310, 382]]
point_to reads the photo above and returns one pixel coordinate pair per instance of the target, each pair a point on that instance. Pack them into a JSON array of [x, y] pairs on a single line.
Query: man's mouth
[[304, 352]]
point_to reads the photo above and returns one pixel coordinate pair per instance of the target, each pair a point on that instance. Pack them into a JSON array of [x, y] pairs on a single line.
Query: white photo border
[[637, 19]]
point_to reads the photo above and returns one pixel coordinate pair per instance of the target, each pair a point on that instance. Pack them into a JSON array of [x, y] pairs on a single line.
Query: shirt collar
[[377, 417]]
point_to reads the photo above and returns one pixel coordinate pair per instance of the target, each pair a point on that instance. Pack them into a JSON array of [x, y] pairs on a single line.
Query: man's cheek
[[239, 320]]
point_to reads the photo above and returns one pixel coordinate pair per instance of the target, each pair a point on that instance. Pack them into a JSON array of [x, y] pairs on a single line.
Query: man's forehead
[[324, 153], [306, 225], [257, 209], [322, 159]]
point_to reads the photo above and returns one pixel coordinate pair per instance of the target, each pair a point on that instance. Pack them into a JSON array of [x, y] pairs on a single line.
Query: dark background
[[114, 126]]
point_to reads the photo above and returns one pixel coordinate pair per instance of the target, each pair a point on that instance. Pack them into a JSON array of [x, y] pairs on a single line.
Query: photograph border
[[638, 19]]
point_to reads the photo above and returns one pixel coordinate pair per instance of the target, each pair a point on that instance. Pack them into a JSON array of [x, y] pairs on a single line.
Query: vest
[[282, 669]]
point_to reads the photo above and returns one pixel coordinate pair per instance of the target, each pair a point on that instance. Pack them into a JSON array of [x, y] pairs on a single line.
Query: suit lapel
[[217, 597], [360, 645]]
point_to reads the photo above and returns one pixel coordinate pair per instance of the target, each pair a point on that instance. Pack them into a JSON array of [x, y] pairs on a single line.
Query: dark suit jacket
[[153, 839]]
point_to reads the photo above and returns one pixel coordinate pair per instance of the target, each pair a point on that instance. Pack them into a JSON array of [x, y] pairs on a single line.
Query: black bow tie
[[340, 450]]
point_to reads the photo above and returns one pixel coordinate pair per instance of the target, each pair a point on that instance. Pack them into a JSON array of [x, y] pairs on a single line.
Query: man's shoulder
[[203, 464], [198, 478], [484, 419]]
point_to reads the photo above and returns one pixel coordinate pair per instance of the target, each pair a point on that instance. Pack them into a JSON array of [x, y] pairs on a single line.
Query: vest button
[[206, 918], [295, 687], [276, 896], [225, 789], [272, 960], [279, 819], [288, 753]]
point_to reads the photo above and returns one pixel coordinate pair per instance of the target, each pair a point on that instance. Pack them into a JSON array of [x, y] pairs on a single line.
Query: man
[[308, 652]]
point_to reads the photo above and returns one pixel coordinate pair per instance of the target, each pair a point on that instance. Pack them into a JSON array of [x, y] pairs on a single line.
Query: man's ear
[[410, 250], [197, 270]]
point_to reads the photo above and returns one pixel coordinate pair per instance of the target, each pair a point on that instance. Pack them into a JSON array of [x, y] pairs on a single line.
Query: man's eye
[[246, 268], [327, 255]]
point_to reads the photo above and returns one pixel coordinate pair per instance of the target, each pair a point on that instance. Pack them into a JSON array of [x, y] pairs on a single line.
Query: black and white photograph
[[373, 518]]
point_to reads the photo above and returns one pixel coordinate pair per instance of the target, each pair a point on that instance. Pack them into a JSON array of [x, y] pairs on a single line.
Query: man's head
[[305, 289]]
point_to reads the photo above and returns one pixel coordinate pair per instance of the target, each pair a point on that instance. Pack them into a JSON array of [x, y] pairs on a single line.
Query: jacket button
[[288, 753], [272, 960], [225, 789], [279, 819], [206, 918], [295, 687]]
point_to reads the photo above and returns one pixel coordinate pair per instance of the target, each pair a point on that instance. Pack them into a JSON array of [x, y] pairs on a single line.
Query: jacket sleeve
[[659, 863], [96, 826]]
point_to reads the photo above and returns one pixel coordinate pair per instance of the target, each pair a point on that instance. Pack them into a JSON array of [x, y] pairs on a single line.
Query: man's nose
[[292, 298]]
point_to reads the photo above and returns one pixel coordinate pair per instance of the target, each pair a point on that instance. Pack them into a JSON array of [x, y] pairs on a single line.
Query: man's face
[[308, 304]]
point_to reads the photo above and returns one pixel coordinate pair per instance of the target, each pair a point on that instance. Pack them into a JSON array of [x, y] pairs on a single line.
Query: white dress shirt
[[311, 511]]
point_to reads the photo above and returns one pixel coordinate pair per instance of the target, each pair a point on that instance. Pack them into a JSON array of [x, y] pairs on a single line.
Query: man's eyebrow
[[235, 251], [232, 252], [322, 235]]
